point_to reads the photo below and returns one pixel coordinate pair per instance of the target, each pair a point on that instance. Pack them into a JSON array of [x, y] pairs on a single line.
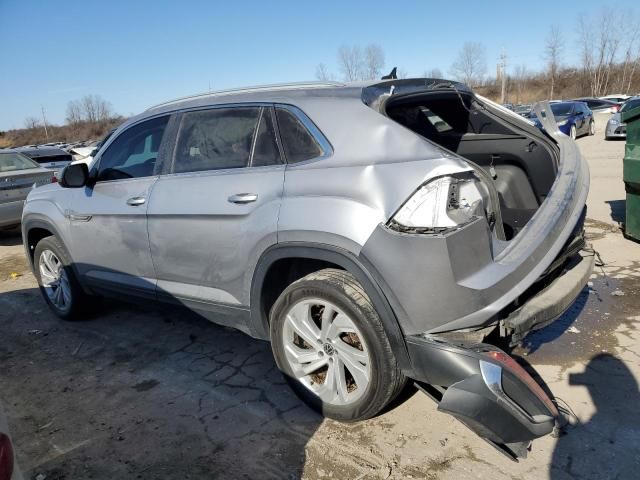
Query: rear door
[[582, 125], [109, 219], [213, 215]]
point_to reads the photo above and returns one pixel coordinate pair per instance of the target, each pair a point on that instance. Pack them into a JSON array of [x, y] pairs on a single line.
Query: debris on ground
[[573, 329], [617, 293]]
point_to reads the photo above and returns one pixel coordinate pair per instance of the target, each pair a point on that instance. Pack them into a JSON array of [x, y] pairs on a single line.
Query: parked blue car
[[573, 118]]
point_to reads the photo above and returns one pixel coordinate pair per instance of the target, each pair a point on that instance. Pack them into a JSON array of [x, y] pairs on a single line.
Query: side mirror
[[74, 176]]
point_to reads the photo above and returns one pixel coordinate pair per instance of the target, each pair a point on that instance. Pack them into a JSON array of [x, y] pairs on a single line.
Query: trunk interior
[[522, 167]]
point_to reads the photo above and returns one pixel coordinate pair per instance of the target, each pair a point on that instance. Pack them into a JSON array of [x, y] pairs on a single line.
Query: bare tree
[[90, 108], [402, 73], [630, 34], [322, 73], [74, 112], [351, 63], [374, 61], [599, 45], [433, 73], [471, 64], [32, 123], [553, 52], [520, 77]]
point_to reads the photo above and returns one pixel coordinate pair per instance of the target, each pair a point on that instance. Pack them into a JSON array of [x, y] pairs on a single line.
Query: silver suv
[[371, 232]]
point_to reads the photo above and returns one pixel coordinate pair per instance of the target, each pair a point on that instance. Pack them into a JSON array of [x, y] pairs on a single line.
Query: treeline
[[88, 118], [606, 46]]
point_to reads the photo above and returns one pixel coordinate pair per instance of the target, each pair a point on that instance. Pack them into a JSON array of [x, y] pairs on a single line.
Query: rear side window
[[216, 139], [266, 150], [299, 144], [134, 152]]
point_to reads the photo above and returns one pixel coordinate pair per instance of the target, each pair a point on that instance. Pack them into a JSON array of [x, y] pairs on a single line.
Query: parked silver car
[[18, 176], [371, 232], [615, 127]]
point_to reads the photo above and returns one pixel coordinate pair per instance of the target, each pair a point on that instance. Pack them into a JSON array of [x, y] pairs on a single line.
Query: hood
[[616, 117]]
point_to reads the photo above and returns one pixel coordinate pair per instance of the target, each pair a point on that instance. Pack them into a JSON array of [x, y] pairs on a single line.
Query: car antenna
[[392, 75]]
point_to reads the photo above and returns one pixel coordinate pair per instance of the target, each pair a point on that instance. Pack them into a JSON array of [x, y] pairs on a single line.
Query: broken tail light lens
[[6, 458], [442, 204], [514, 367]]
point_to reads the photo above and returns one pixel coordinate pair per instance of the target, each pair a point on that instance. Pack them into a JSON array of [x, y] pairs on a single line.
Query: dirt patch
[[590, 326], [12, 266]]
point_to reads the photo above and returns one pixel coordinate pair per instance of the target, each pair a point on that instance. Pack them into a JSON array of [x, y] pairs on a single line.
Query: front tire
[[592, 128], [57, 280], [572, 132], [332, 348]]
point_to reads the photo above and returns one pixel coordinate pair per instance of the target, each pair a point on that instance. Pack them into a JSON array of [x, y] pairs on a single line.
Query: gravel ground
[[133, 393]]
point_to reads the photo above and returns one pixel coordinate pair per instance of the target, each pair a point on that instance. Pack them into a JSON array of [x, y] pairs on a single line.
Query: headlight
[[442, 204], [563, 123], [613, 121]]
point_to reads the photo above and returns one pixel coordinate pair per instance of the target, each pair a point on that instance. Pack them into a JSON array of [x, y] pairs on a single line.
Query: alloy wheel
[[326, 351], [55, 280]]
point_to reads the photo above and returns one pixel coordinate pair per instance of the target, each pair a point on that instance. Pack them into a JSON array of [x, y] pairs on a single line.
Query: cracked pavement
[[162, 393]]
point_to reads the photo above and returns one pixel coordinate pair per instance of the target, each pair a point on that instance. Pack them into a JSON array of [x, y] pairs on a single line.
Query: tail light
[[514, 367], [6, 457], [54, 179]]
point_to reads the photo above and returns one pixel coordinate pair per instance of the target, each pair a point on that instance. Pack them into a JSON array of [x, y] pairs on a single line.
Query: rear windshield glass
[[630, 105], [14, 161], [560, 109]]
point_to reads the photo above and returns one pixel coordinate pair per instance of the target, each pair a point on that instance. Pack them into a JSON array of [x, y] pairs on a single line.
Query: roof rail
[[258, 88]]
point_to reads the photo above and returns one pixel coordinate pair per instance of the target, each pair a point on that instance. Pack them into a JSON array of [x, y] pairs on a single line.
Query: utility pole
[[44, 120], [503, 75]]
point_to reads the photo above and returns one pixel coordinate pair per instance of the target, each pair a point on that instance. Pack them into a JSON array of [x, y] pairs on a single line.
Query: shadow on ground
[[617, 210], [616, 423], [131, 394]]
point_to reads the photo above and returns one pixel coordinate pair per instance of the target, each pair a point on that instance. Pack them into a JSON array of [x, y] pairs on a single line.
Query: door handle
[[243, 198], [135, 201]]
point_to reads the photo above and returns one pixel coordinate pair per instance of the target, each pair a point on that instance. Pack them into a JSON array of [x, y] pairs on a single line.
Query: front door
[[214, 214], [109, 219]]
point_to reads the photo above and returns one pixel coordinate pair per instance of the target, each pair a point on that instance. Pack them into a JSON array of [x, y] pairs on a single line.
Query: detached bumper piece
[[485, 389], [553, 300]]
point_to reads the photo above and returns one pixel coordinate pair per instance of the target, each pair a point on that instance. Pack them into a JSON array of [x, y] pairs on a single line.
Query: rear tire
[[57, 280], [572, 132], [332, 348], [592, 128]]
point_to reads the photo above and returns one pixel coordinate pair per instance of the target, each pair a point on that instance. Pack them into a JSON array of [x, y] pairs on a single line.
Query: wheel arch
[[335, 256], [35, 230]]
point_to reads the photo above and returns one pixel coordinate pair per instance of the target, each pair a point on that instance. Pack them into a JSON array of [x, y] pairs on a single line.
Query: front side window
[[133, 154], [299, 144], [10, 162], [216, 139]]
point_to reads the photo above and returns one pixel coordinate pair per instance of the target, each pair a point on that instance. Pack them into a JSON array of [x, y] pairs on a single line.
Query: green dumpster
[[631, 173]]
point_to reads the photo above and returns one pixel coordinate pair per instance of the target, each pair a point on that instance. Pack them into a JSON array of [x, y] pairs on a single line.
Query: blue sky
[[137, 53]]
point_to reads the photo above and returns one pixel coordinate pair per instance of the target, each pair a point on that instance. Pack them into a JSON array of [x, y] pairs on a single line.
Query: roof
[[264, 89], [38, 152]]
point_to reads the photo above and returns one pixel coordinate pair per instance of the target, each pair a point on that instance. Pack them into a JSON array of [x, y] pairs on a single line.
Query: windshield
[[15, 161], [561, 109], [630, 105]]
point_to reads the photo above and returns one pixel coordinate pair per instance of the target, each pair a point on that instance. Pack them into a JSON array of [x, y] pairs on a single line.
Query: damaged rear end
[[488, 255]]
